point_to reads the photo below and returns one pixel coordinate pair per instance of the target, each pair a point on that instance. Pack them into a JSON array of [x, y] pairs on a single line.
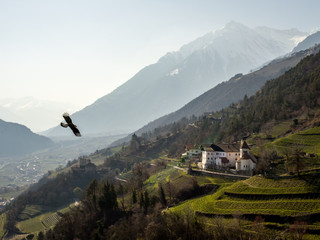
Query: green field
[[180, 179], [162, 176], [30, 211]]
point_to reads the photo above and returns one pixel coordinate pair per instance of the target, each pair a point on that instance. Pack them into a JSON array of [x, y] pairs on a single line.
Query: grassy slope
[[308, 140]]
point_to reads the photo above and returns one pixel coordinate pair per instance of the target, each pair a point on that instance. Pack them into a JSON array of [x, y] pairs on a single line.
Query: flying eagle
[[69, 123]]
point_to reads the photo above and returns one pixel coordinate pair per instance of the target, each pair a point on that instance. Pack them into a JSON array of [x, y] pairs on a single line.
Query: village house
[[222, 156], [193, 152]]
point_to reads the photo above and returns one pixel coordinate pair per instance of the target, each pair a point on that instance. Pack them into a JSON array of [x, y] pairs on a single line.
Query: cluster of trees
[[290, 160], [97, 211]]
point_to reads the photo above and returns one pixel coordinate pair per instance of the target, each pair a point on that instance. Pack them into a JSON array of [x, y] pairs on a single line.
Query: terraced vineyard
[[260, 196], [39, 223], [275, 207], [258, 185], [50, 220], [309, 140]]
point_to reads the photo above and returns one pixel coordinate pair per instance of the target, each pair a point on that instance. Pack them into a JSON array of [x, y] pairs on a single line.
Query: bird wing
[[75, 130], [67, 118], [65, 125]]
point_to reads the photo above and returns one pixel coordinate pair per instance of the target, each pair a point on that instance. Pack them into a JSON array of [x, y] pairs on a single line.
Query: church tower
[[244, 148]]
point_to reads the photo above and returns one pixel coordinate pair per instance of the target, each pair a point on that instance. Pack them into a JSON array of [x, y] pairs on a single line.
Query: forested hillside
[[295, 94]]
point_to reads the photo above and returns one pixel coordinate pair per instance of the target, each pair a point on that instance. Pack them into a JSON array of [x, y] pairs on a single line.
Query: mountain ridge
[[308, 42], [230, 91], [17, 139], [179, 77]]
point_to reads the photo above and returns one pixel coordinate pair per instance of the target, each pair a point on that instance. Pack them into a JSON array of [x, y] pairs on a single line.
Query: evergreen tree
[[162, 195], [134, 196], [91, 194], [141, 200], [146, 203]]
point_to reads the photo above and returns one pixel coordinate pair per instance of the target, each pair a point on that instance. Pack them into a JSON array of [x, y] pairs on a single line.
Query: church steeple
[[244, 148]]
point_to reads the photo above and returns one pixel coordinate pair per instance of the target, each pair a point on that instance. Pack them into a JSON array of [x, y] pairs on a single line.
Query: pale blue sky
[[78, 51]]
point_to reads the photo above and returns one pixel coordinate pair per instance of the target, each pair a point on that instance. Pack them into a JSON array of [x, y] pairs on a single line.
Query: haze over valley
[[159, 120], [156, 90]]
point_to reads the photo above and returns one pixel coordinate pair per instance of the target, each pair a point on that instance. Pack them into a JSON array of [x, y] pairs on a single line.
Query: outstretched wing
[[67, 118], [65, 125], [75, 130]]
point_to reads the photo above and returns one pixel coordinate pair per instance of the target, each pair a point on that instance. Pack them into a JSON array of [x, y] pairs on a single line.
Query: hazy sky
[[78, 51]]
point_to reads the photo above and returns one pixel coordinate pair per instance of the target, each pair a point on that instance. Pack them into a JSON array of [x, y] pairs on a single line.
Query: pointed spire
[[244, 145]]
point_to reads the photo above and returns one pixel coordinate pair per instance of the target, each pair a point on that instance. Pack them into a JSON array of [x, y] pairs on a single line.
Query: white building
[[228, 155], [210, 156], [232, 153]]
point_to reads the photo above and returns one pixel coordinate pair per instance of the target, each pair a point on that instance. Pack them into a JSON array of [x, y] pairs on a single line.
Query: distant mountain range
[[38, 115], [16, 139], [178, 77]]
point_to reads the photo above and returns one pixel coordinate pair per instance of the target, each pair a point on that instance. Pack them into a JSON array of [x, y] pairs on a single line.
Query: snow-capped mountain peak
[[180, 76]]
